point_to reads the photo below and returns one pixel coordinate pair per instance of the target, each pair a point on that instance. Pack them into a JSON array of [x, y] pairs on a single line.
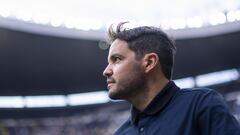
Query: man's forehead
[[118, 45], [115, 52], [118, 48]]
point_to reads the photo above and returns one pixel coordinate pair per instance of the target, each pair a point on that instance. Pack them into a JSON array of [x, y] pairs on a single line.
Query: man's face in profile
[[124, 73]]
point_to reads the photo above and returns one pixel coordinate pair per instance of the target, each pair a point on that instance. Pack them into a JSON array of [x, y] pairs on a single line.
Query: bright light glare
[[195, 22], [178, 23], [83, 24], [41, 18], [217, 18], [102, 96], [101, 12], [238, 15], [24, 15], [217, 77], [185, 82], [231, 16], [56, 22], [70, 23], [45, 101], [88, 98], [165, 24], [4, 12], [11, 102]]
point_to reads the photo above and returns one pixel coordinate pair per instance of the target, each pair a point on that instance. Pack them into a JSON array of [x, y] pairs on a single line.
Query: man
[[139, 70]]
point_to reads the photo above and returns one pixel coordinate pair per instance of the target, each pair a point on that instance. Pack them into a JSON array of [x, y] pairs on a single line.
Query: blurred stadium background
[[52, 55]]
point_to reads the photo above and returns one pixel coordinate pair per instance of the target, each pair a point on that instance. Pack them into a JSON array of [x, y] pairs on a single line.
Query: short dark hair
[[145, 39]]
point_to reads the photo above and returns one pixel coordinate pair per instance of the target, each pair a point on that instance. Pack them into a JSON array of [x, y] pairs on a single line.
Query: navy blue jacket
[[176, 111]]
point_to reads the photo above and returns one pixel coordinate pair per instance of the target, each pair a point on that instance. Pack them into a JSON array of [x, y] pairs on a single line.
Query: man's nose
[[108, 71]]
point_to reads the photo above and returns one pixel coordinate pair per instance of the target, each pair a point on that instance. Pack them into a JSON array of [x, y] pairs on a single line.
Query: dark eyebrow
[[115, 55]]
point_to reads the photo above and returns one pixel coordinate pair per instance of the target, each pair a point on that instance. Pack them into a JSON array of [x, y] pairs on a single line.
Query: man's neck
[[143, 99]]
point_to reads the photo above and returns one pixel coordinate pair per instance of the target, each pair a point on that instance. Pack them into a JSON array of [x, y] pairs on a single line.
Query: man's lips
[[109, 85], [110, 82]]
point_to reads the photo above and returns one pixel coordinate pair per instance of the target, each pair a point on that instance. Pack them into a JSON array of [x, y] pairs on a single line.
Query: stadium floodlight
[[195, 22], [88, 98], [83, 24], [217, 18], [70, 23], [56, 21], [41, 18], [11, 102], [165, 24], [4, 13], [185, 82], [23, 15], [102, 96], [177, 24], [44, 13], [217, 77], [231, 16], [45, 101], [238, 15]]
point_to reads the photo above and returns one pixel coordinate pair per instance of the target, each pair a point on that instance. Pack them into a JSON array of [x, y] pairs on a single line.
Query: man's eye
[[116, 59]]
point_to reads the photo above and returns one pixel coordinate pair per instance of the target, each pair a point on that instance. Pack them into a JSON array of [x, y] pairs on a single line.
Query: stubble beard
[[130, 86]]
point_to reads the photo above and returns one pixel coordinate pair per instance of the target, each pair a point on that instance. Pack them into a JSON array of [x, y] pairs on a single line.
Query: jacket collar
[[157, 104]]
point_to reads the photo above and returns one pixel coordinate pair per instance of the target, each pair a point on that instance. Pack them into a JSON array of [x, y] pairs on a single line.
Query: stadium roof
[[55, 47], [33, 64]]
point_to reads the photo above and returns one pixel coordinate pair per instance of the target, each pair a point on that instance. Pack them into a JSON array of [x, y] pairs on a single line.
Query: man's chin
[[113, 95]]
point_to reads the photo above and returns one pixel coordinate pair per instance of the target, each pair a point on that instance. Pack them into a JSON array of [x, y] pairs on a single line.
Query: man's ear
[[151, 60]]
